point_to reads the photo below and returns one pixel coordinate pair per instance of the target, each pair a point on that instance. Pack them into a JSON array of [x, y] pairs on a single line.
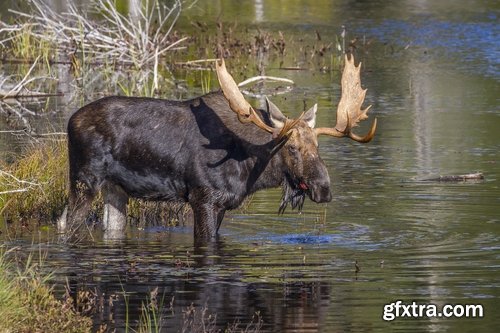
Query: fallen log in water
[[457, 178]]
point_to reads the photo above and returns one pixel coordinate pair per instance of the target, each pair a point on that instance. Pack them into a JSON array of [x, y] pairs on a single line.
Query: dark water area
[[433, 78]]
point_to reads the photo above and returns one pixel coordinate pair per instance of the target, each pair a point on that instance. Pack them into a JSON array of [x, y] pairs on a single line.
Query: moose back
[[212, 152]]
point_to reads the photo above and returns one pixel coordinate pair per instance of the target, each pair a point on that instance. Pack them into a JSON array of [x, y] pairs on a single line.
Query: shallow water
[[433, 78]]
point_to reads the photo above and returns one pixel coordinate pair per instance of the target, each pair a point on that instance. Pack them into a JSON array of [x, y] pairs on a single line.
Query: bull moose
[[211, 152]]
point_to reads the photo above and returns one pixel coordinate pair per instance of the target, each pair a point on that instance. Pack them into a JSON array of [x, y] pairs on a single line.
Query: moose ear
[[277, 117], [310, 116]]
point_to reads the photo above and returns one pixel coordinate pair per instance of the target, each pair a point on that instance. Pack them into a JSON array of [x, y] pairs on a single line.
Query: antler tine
[[349, 112], [243, 109]]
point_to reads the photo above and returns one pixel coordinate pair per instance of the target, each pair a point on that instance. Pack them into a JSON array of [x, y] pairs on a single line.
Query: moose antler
[[245, 112], [349, 111]]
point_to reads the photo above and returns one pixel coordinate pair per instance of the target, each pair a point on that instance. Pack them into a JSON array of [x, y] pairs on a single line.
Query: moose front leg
[[115, 211], [207, 216], [207, 220]]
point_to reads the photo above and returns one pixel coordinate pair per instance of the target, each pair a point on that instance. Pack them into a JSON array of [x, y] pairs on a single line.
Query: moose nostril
[[320, 193], [327, 194]]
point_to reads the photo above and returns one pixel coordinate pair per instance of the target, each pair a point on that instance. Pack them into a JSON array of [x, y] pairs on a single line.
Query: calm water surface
[[433, 78]]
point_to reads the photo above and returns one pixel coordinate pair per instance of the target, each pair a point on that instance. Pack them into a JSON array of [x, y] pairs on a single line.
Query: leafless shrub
[[138, 38]]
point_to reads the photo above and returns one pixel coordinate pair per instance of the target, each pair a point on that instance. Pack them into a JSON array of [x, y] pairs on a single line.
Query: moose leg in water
[[207, 212], [115, 211], [75, 214]]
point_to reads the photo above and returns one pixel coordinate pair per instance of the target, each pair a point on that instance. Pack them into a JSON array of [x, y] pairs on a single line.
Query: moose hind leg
[[77, 211], [62, 221], [115, 211]]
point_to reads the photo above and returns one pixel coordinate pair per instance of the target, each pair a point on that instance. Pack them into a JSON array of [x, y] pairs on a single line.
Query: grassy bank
[[34, 187], [27, 303]]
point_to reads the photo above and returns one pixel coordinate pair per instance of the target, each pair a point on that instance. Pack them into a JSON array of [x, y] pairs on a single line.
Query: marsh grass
[[34, 188], [206, 79], [153, 313], [146, 83], [130, 46], [203, 320], [27, 47], [27, 303]]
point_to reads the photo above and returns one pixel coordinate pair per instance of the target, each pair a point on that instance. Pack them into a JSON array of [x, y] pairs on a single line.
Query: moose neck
[[267, 170]]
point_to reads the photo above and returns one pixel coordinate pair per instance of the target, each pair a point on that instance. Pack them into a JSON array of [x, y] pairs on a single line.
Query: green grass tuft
[[35, 186]]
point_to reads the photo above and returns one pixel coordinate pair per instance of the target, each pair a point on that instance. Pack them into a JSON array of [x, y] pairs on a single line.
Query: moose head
[[296, 140]]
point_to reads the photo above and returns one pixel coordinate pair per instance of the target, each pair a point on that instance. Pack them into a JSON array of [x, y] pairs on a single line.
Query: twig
[[9, 175], [458, 178], [18, 114], [16, 191], [195, 62], [53, 134], [29, 95], [29, 184], [264, 77], [285, 90], [13, 131], [14, 91]]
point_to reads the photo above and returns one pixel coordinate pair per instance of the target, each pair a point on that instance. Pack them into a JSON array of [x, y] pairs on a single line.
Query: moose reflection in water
[[220, 299], [201, 151]]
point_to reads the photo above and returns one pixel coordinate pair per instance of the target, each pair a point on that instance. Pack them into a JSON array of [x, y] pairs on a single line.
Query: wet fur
[[291, 195]]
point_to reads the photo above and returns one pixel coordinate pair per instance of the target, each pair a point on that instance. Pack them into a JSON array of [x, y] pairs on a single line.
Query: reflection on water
[[433, 81]]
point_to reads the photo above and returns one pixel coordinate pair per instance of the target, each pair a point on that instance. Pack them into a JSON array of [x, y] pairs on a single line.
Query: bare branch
[[13, 181], [263, 78]]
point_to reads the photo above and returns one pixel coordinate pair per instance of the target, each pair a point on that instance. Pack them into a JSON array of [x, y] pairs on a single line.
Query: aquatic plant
[[153, 313], [205, 78], [202, 320]]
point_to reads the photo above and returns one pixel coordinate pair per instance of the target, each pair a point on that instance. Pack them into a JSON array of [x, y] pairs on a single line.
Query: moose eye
[[292, 149]]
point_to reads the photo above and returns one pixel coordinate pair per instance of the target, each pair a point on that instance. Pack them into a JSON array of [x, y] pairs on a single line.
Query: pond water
[[433, 78]]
